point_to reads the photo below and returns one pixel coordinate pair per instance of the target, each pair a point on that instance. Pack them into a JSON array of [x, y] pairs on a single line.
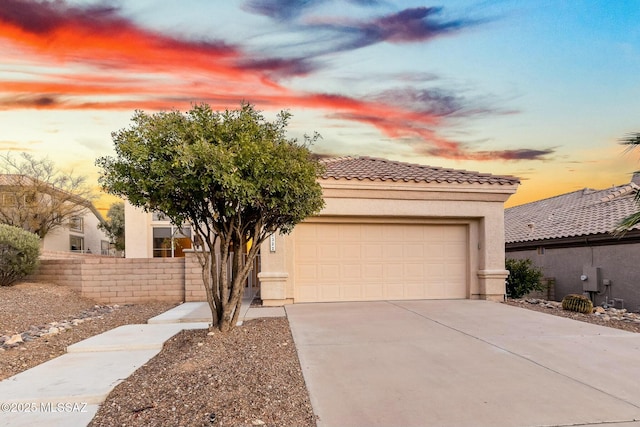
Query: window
[[76, 243], [105, 247], [8, 199], [170, 242], [159, 216], [76, 223], [540, 250]]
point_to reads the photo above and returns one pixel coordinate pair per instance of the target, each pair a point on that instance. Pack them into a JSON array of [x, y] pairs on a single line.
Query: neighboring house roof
[[580, 213], [373, 169]]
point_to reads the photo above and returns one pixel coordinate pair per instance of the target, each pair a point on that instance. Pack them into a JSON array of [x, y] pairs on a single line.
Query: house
[[389, 231], [71, 221], [570, 237]]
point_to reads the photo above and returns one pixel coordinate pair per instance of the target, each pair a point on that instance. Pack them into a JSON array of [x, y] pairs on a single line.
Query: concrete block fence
[[109, 280]]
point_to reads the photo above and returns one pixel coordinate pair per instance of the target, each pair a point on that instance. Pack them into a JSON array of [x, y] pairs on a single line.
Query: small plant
[[523, 278], [19, 252], [577, 303]]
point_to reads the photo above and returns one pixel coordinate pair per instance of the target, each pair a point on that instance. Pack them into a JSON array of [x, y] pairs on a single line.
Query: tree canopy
[[37, 196], [114, 225], [233, 176], [632, 141]]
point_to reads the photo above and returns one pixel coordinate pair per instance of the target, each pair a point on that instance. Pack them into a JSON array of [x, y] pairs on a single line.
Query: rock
[[605, 317], [14, 339], [599, 310], [257, 422], [53, 331]]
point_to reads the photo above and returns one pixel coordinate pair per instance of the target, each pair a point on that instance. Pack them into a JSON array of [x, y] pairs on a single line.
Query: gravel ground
[[612, 319], [250, 376], [33, 304]]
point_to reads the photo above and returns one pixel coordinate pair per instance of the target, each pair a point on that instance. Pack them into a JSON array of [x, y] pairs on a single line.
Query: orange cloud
[[157, 71]]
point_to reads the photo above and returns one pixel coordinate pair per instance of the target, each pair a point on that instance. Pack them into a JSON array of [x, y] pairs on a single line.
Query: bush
[[523, 278], [19, 252]]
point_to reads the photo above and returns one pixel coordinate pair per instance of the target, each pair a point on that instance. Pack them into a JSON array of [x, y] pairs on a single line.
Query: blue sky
[[542, 90]]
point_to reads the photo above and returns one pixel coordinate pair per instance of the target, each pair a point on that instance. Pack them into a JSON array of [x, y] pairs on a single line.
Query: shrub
[[19, 252], [523, 278], [577, 303]]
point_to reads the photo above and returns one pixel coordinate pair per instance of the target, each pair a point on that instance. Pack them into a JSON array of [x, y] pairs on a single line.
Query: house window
[[76, 224], [159, 216], [8, 199], [170, 242], [105, 247], [76, 243], [540, 250]]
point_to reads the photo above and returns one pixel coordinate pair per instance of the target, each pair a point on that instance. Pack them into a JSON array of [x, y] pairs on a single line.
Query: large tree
[[114, 225], [39, 197], [631, 141], [233, 176]]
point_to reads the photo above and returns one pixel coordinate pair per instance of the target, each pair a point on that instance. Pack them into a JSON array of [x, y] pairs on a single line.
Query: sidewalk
[[67, 391]]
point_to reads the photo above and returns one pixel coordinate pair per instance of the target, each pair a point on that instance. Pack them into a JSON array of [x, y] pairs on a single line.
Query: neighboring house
[[389, 231], [79, 233], [570, 237]]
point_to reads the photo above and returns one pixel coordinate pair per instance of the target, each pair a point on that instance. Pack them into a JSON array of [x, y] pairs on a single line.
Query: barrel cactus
[[577, 303]]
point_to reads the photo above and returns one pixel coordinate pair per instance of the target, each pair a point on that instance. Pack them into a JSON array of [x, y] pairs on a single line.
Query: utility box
[[591, 278]]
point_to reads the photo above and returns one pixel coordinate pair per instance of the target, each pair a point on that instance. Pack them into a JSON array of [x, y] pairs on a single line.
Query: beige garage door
[[366, 262]]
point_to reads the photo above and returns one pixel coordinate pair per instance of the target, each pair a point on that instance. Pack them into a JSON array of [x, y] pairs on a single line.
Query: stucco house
[[570, 237], [79, 233], [389, 231]]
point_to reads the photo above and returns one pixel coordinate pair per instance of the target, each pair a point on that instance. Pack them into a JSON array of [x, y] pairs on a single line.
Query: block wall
[[118, 280]]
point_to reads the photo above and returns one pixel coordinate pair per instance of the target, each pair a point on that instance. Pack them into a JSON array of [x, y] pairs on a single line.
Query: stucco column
[[273, 275], [491, 272]]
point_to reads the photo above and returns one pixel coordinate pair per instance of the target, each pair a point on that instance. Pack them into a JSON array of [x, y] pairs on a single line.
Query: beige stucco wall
[[58, 239], [479, 206], [137, 238]]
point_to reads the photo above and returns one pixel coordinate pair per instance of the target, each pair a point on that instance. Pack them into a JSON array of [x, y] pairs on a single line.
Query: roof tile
[[374, 169], [579, 213]]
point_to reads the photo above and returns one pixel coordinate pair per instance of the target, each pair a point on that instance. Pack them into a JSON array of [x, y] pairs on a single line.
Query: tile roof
[[580, 213], [374, 169]]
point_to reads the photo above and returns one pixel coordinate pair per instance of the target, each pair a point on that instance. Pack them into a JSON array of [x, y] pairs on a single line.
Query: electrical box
[[591, 278]]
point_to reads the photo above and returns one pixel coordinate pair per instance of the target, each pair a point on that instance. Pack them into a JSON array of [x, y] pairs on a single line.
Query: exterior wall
[[481, 210], [110, 280], [618, 263], [137, 238], [58, 239]]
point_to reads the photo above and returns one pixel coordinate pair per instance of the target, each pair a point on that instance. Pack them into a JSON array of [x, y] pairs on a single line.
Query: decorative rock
[[53, 328], [257, 423], [14, 339], [599, 310]]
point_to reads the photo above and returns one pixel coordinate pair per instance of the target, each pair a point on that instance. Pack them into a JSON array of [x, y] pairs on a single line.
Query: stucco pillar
[[491, 272], [273, 275]]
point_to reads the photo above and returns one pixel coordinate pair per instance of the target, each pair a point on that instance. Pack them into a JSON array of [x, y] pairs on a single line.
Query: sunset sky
[[542, 90]]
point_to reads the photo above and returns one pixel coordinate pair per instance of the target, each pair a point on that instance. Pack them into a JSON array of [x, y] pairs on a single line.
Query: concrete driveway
[[463, 363]]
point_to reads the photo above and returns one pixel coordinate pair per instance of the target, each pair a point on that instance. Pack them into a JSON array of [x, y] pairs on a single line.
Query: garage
[[392, 230], [380, 261]]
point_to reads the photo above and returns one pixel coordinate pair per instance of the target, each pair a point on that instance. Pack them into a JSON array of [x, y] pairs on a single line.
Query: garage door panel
[[372, 252], [372, 271], [352, 251], [393, 252], [357, 262]]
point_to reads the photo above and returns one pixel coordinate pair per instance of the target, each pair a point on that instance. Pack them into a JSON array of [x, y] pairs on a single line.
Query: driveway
[[463, 363]]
